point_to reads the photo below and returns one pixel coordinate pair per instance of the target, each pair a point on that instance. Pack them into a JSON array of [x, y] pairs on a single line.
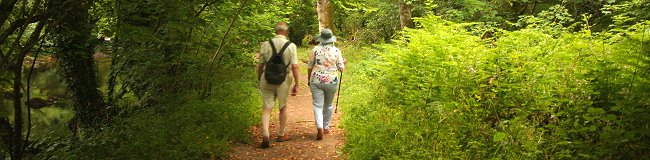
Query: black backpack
[[276, 71]]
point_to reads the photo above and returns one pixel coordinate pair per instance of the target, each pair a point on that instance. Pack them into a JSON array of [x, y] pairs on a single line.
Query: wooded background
[[469, 79]]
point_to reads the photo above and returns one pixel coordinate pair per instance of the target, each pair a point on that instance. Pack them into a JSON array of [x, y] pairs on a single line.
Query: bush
[[529, 94], [191, 128]]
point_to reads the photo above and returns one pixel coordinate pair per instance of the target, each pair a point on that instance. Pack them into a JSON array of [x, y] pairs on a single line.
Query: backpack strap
[[284, 47], [282, 52]]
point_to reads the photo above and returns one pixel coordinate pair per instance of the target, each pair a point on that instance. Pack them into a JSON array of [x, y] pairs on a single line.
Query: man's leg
[[283, 120], [283, 95], [268, 100], [266, 117]]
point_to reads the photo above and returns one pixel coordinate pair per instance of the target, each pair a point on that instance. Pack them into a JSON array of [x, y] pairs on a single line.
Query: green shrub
[[368, 23], [441, 92], [191, 128]]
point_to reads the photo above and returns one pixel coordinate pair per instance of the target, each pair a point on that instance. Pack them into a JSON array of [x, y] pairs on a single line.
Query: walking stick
[[338, 93]]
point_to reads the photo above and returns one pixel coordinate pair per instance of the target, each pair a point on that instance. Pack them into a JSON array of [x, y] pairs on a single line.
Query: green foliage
[[502, 13], [555, 16], [628, 12], [473, 10], [191, 129], [74, 46], [164, 98], [542, 85], [368, 22], [164, 55], [303, 21], [441, 92]]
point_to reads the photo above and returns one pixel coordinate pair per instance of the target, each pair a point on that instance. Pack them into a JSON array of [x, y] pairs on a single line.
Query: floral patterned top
[[325, 62]]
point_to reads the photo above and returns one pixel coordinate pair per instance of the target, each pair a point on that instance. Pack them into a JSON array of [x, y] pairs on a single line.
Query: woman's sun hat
[[326, 36]]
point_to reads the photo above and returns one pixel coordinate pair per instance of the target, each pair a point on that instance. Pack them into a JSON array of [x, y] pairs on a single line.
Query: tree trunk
[[325, 10], [74, 50], [16, 143], [405, 14]]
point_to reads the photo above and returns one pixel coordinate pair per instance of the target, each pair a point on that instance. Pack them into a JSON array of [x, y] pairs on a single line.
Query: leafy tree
[[303, 21], [72, 35], [369, 21], [16, 41]]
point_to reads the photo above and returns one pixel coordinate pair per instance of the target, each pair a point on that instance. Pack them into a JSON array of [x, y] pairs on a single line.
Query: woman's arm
[[340, 61], [310, 64]]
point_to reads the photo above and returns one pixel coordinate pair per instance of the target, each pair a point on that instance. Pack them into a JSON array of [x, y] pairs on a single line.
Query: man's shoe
[[265, 142], [319, 136], [282, 138], [327, 131]]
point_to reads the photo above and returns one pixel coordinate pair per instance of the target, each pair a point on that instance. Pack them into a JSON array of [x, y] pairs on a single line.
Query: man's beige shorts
[[270, 93]]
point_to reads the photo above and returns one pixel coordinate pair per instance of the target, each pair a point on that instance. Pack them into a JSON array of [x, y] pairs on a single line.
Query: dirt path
[[302, 130]]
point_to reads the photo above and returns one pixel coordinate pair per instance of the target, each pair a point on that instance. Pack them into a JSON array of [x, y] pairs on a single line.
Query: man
[[271, 92]]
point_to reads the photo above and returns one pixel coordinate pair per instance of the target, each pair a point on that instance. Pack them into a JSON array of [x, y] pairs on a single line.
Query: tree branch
[[7, 6], [223, 39], [204, 7], [28, 92], [19, 23], [16, 42], [17, 145]]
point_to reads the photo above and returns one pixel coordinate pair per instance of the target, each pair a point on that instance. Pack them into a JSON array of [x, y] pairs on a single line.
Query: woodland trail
[[302, 130]]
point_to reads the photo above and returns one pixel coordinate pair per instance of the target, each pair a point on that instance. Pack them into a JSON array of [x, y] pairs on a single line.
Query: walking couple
[[325, 62]]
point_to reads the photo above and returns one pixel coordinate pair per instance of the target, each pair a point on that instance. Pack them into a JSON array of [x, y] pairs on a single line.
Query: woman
[[325, 63]]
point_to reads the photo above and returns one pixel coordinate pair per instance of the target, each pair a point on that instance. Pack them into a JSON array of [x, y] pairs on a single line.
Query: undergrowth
[[543, 92], [192, 127]]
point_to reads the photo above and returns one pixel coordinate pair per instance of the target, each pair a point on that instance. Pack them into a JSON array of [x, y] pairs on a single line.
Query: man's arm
[[296, 76], [295, 69]]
